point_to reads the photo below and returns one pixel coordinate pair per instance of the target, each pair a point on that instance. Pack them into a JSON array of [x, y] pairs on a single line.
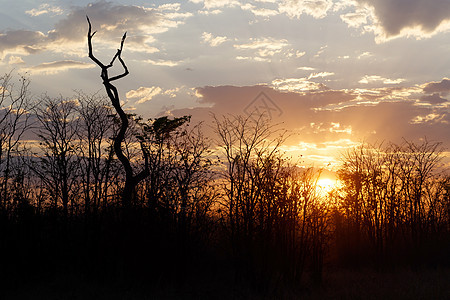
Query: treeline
[[232, 209], [394, 205]]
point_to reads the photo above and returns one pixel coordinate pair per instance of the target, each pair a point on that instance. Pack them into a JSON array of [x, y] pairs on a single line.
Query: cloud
[[320, 75], [44, 9], [211, 4], [144, 93], [397, 15], [296, 8], [433, 99], [297, 85], [306, 68], [22, 42], [259, 11], [391, 19], [172, 93], [300, 53], [113, 20], [15, 60], [429, 118], [438, 87], [264, 43], [110, 20], [375, 78], [325, 121], [365, 55], [255, 58], [355, 19], [166, 63], [368, 113], [213, 41], [54, 67], [263, 48]]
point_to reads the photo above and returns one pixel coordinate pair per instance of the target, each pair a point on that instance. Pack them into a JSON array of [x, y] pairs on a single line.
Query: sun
[[325, 185]]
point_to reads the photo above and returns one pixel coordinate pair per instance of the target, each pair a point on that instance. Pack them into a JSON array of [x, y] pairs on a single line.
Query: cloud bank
[[327, 119], [401, 18], [111, 21]]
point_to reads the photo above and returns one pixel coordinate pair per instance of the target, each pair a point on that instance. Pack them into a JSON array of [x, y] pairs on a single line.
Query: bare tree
[[15, 104], [95, 151], [131, 179], [392, 196], [193, 176], [58, 166]]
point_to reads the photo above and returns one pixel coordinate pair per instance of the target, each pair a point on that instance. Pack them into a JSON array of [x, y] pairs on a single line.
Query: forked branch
[[131, 180]]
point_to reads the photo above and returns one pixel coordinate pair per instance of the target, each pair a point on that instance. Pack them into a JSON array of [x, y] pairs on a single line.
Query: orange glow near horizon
[[326, 185]]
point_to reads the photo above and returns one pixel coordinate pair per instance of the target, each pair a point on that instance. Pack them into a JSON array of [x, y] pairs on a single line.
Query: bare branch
[[131, 180], [125, 73], [91, 54]]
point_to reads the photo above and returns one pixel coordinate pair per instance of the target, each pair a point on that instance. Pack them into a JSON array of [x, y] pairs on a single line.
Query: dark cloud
[[395, 15], [233, 99], [433, 99], [333, 115], [110, 20], [22, 41], [438, 87]]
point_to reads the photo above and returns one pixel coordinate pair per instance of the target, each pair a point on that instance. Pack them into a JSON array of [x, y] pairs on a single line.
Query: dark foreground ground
[[349, 284]]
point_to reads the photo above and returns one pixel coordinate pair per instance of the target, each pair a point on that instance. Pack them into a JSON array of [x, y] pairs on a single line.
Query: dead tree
[[131, 180]]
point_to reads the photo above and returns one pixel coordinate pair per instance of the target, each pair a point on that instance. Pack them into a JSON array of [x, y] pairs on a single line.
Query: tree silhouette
[[131, 179], [95, 130], [15, 103], [58, 163]]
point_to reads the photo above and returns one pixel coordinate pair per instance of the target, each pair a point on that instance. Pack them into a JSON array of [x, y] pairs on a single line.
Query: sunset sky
[[332, 72]]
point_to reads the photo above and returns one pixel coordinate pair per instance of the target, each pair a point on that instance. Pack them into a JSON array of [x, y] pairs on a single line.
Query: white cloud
[[166, 63], [296, 8], [355, 19], [320, 74], [259, 11], [14, 60], [144, 93], [266, 43], [211, 4], [213, 41], [365, 55], [172, 93], [210, 12], [169, 7], [44, 9], [306, 68], [264, 47], [297, 85], [343, 4], [255, 58], [376, 78]]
